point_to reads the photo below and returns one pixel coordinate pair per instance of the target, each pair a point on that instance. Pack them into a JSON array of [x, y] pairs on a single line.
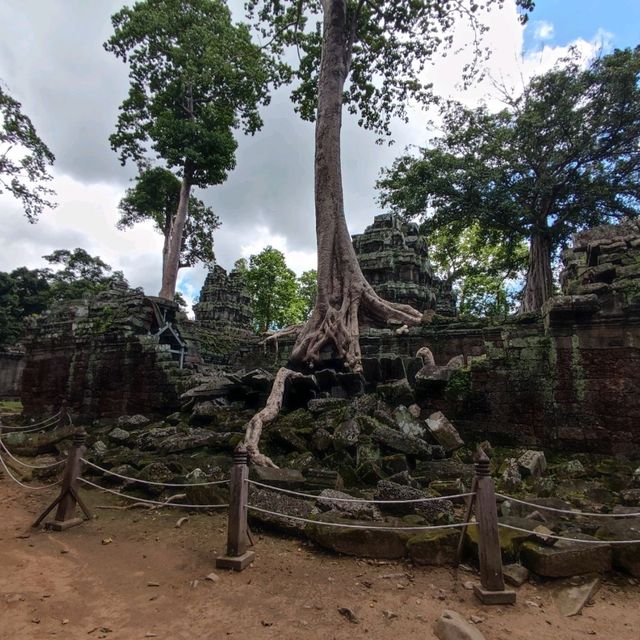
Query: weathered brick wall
[[98, 358]]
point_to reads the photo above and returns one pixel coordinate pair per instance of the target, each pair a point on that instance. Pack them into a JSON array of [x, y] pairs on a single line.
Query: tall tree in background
[[369, 55], [480, 267], [194, 78], [156, 196], [307, 292], [561, 157], [78, 273], [273, 289], [24, 159]]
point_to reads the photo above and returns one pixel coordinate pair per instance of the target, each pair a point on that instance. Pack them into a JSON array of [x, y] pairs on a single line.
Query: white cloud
[[542, 30], [268, 199]]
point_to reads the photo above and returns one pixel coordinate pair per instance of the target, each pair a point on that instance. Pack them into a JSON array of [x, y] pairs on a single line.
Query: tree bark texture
[[173, 247], [265, 416], [539, 285], [343, 293]]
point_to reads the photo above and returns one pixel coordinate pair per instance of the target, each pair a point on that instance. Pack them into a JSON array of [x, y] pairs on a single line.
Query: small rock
[[107, 540], [414, 410], [476, 619], [348, 614], [543, 534], [151, 583], [389, 615], [515, 574], [119, 435], [468, 585], [532, 463], [212, 577], [452, 626], [13, 597]]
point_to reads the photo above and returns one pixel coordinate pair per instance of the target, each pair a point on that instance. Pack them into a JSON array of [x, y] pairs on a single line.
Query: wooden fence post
[[69, 498], [491, 589], [238, 557]]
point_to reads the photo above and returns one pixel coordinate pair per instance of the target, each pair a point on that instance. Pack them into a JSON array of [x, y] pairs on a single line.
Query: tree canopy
[[195, 77], [78, 274], [273, 289], [24, 159], [155, 196], [560, 157]]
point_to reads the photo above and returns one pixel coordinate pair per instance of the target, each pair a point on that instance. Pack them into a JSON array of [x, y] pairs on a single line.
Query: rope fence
[[150, 482], [358, 500], [3, 446], [572, 512], [341, 525], [553, 536], [153, 502], [28, 487], [37, 426], [481, 499]]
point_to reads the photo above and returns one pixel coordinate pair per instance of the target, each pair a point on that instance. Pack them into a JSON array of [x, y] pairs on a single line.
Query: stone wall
[[224, 318], [11, 367], [571, 380], [115, 354]]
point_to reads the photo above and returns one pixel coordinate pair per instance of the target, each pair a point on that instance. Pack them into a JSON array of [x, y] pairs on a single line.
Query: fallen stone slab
[[410, 445], [434, 511], [571, 599], [276, 502], [452, 626], [364, 543], [434, 548], [283, 478], [444, 432], [32, 445], [566, 558]]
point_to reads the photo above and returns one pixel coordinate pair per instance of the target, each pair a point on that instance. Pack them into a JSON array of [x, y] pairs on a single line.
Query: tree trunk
[[343, 293], [539, 285], [171, 253]]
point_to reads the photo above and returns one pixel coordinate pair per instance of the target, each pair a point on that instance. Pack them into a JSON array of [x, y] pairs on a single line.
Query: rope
[[572, 512], [37, 425], [29, 466], [359, 526], [555, 537], [155, 502], [26, 486], [157, 484], [357, 500]]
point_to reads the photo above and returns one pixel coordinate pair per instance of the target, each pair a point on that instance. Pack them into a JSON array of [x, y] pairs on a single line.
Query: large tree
[[370, 56], [562, 156], [155, 196], [24, 159], [194, 78]]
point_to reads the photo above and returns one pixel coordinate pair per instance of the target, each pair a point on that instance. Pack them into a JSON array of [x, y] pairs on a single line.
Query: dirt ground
[[148, 580]]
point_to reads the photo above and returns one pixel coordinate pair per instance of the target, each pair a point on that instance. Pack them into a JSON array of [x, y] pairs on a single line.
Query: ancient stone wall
[[224, 318], [115, 354], [11, 367], [394, 259]]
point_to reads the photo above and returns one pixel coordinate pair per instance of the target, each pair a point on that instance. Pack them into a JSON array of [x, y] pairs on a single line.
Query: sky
[[52, 61]]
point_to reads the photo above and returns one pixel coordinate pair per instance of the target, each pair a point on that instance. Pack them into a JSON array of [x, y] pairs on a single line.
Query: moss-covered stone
[[365, 543], [510, 542], [566, 559], [435, 548]]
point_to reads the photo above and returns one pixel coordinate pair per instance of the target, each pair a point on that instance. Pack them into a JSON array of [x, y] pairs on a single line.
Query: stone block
[[532, 463], [566, 559], [435, 548], [282, 478], [444, 432]]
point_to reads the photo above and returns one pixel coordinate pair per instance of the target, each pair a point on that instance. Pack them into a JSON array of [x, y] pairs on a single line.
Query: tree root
[[266, 416], [340, 328]]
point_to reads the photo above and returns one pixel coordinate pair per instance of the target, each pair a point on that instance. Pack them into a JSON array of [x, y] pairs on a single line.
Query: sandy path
[[69, 585]]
